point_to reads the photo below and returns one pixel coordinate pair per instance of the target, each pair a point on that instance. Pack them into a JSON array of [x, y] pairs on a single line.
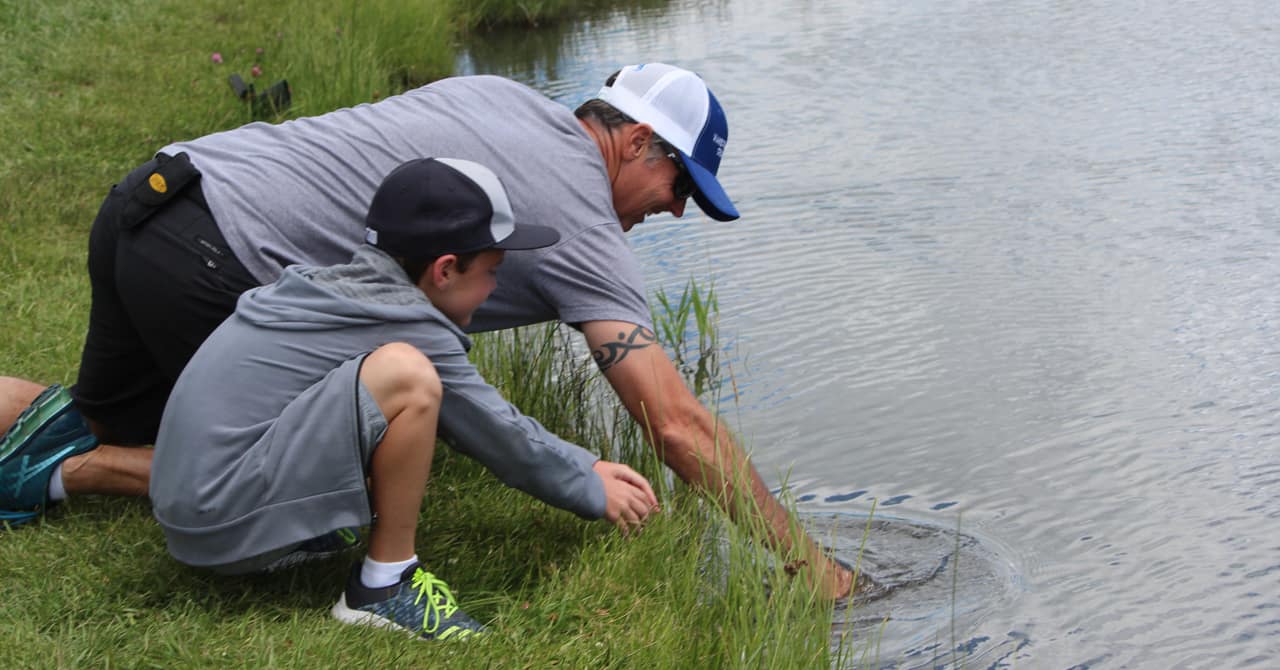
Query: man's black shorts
[[163, 278]]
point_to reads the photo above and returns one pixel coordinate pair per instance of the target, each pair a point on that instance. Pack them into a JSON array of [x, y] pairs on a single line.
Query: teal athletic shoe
[[419, 603], [47, 433], [318, 548]]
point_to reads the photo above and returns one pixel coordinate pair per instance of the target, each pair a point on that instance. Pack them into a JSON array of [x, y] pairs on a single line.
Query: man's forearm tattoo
[[610, 354]]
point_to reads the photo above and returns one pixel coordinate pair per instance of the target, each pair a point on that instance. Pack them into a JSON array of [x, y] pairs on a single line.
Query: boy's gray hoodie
[[253, 450]]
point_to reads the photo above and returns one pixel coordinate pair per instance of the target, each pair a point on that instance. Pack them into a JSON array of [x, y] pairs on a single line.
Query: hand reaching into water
[[628, 497]]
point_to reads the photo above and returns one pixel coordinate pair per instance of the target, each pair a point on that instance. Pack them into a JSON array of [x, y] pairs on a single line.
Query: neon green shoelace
[[439, 599]]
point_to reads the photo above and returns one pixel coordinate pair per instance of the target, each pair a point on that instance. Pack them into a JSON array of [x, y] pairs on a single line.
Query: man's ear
[[638, 137]]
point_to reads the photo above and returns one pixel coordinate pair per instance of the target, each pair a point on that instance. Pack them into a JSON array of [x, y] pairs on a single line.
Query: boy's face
[[459, 298]]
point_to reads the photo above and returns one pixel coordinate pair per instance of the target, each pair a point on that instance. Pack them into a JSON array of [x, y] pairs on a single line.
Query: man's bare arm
[[693, 442]]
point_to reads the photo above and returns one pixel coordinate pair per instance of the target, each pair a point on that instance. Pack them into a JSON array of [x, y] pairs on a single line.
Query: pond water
[[1003, 266]]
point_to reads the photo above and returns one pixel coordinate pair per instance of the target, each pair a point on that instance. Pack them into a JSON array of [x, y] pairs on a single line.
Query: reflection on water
[[1006, 260], [534, 56]]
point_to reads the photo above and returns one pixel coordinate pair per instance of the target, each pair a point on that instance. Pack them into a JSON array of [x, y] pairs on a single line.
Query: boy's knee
[[401, 369]]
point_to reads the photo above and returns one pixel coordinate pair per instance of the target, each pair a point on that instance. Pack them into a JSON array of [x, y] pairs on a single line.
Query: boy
[[331, 377]]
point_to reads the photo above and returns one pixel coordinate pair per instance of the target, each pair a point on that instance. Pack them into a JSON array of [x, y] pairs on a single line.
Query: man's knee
[[401, 375]]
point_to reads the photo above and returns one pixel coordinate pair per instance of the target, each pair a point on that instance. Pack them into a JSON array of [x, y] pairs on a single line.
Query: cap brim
[[529, 236], [709, 195]]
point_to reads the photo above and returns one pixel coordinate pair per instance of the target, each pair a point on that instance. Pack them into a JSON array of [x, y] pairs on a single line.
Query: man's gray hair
[[602, 112]]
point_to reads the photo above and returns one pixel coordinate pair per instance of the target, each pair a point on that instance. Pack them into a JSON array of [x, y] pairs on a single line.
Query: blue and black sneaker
[[419, 603], [47, 433], [318, 548]]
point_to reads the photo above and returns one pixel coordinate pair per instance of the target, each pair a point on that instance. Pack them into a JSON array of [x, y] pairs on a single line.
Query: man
[[182, 236]]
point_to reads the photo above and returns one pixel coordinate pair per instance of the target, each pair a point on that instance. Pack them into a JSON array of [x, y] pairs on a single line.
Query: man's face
[[467, 290], [647, 185]]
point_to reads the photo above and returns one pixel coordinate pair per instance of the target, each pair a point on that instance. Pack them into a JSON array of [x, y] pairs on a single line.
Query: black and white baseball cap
[[429, 207]]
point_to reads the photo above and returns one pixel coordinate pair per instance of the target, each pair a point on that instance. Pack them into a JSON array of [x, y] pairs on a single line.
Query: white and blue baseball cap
[[682, 110]]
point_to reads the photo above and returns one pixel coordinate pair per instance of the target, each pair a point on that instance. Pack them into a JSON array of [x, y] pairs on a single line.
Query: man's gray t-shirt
[[297, 192]]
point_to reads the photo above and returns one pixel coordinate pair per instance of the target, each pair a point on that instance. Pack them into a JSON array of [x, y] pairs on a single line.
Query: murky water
[[1007, 265]]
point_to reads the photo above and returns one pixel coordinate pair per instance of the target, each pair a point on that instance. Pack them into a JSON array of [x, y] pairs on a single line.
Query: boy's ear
[[441, 272], [446, 267]]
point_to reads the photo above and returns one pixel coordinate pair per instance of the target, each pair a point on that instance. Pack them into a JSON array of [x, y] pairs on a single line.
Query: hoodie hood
[[372, 289]]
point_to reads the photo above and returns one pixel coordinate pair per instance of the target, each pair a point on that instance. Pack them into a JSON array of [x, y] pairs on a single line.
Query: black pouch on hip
[[170, 176]]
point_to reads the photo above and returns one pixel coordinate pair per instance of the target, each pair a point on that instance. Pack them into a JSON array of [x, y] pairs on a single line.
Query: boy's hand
[[628, 497]]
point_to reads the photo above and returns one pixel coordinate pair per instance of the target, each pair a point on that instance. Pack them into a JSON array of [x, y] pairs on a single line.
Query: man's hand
[[628, 497]]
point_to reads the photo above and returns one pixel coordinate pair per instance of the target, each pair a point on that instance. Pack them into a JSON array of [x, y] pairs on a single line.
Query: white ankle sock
[[376, 574], [56, 491]]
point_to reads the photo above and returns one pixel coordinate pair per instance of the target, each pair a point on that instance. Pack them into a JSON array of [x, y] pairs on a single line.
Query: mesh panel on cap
[[677, 94]]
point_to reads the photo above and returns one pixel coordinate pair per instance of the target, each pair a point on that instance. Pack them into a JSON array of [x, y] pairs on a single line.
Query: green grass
[[92, 586], [93, 87]]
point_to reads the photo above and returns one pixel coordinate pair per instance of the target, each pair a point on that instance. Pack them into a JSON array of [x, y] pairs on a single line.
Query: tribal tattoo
[[611, 353]]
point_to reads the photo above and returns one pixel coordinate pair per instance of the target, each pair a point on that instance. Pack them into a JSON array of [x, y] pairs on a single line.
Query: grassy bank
[[93, 87]]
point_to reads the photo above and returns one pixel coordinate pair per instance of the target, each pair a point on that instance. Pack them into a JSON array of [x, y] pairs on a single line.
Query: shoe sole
[[293, 560], [345, 614], [15, 519]]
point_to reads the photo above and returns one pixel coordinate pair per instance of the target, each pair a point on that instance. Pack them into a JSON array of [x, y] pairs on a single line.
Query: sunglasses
[[683, 186]]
